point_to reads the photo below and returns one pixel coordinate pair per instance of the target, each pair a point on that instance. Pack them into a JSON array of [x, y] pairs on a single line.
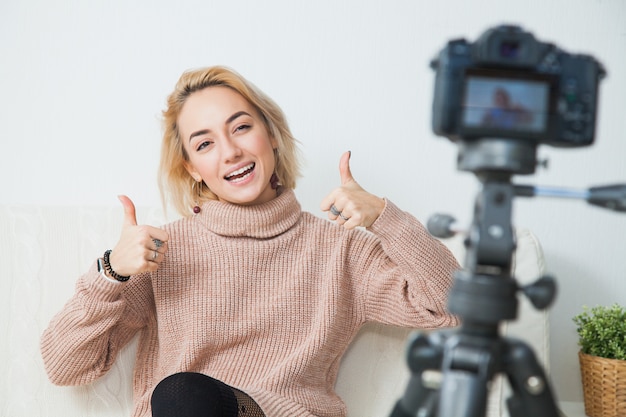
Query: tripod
[[451, 371]]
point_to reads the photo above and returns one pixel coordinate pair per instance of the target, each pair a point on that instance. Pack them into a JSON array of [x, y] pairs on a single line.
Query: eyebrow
[[229, 120]]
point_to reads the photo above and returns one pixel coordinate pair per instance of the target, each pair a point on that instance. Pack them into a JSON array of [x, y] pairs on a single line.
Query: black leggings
[[189, 394]]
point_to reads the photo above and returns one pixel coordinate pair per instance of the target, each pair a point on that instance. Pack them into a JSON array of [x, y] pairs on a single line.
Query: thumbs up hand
[[350, 205], [140, 248]]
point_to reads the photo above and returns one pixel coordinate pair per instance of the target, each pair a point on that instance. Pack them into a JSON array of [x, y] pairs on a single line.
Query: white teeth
[[240, 171]]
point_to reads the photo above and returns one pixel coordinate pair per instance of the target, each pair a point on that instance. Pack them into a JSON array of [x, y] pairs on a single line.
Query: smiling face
[[502, 99], [228, 145]]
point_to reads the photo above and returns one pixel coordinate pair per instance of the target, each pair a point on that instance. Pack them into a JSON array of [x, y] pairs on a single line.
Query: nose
[[230, 150]]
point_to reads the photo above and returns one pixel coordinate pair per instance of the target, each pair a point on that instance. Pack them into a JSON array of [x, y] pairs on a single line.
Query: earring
[[274, 181], [196, 208]]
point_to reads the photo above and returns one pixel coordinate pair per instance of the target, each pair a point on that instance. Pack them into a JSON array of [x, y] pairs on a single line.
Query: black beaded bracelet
[[110, 271]]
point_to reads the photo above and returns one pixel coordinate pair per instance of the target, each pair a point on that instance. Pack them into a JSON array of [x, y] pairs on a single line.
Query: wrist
[[103, 272], [107, 269]]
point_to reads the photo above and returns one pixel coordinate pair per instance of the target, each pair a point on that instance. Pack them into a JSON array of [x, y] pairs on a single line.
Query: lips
[[241, 173]]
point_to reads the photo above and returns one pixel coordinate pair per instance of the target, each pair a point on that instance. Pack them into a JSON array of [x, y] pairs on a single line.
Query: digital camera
[[508, 85]]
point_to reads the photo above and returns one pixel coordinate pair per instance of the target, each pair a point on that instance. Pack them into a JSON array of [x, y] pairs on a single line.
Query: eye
[[202, 145], [242, 128]]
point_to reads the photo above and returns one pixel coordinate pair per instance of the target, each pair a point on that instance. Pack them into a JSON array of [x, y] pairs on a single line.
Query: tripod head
[[490, 242], [477, 297]]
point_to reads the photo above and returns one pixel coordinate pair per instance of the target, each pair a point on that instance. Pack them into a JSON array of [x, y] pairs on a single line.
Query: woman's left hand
[[350, 205]]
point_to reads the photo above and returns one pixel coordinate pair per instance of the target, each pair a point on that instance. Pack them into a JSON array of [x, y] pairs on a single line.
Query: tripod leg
[[532, 395], [424, 354], [469, 363], [463, 394]]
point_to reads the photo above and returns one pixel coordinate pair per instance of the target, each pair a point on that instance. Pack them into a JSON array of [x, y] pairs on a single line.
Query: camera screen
[[505, 104]]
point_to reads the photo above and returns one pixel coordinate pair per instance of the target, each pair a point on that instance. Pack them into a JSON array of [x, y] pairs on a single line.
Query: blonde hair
[[174, 178]]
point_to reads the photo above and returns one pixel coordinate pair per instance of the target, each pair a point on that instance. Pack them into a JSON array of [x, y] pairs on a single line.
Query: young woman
[[246, 305]]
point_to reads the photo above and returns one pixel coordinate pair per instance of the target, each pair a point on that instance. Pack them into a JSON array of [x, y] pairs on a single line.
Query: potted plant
[[602, 339]]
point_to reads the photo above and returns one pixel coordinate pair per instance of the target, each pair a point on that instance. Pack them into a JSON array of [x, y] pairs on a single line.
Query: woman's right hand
[[136, 251]]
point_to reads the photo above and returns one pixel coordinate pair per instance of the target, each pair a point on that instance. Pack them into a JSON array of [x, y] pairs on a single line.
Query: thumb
[[344, 168], [130, 218]]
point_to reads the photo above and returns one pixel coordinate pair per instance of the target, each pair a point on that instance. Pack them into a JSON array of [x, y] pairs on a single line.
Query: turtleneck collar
[[261, 221]]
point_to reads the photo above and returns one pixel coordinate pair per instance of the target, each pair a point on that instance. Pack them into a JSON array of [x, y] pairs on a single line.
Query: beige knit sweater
[[264, 298]]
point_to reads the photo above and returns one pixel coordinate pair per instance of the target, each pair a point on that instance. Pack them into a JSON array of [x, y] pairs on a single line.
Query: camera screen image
[[505, 104]]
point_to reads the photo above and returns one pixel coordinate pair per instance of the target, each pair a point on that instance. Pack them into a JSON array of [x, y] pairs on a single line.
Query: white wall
[[82, 85]]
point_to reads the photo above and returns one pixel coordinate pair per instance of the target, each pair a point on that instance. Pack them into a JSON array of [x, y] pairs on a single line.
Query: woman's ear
[[191, 170], [273, 141]]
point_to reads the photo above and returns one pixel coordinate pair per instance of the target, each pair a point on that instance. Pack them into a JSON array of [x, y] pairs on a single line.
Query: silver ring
[[334, 210], [155, 255], [158, 243], [344, 217]]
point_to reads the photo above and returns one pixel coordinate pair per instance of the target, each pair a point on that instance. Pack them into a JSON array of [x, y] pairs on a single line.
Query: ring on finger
[[345, 219], [155, 254], [158, 243], [335, 211]]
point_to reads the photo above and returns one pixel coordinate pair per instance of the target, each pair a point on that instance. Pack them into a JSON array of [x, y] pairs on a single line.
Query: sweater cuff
[[101, 287], [103, 274]]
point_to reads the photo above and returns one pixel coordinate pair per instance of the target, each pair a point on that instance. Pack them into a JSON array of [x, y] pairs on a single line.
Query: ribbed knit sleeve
[[82, 341], [410, 282]]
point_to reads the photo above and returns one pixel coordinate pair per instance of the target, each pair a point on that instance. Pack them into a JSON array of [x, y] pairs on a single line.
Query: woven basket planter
[[604, 386]]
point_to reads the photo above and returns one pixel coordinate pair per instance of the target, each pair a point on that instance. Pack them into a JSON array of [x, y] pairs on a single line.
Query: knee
[[192, 394], [179, 384]]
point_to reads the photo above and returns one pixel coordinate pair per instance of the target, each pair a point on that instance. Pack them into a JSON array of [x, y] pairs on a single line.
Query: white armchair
[[45, 249]]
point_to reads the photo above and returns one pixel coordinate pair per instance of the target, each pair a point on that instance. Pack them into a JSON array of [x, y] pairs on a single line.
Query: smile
[[240, 174]]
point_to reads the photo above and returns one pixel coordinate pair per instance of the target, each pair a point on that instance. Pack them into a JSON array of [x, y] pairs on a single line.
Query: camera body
[[508, 85]]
